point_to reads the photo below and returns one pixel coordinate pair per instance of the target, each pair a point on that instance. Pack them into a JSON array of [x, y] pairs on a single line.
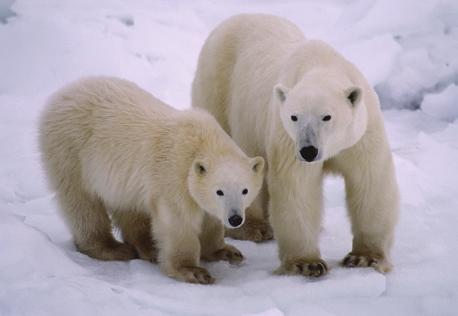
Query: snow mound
[[443, 105], [5, 11]]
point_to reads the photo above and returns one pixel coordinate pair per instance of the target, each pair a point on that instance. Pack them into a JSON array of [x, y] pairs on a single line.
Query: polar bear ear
[[257, 164], [280, 92], [200, 167], [353, 95]]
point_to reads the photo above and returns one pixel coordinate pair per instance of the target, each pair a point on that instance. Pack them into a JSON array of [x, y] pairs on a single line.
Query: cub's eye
[[220, 193], [245, 191], [327, 118], [293, 118]]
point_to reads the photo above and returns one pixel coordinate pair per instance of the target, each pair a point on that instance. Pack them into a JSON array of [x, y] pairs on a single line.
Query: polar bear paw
[[359, 260], [228, 253], [147, 251], [253, 229], [305, 267], [108, 250], [192, 274]]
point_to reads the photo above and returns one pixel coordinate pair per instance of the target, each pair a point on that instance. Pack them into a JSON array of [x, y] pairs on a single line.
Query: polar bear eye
[[293, 118], [327, 118], [245, 191], [220, 193]]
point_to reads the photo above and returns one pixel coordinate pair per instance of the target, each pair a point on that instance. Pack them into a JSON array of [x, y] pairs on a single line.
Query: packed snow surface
[[407, 49]]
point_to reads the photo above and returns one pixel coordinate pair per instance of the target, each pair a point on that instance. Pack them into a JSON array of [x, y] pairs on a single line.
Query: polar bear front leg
[[295, 213], [177, 233], [213, 246], [373, 202]]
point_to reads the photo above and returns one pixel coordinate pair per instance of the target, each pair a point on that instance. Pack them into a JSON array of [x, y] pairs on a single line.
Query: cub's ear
[[257, 164], [280, 92], [200, 167], [353, 95]]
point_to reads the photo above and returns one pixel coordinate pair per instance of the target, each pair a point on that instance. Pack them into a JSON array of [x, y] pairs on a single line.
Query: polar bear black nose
[[235, 220], [309, 153]]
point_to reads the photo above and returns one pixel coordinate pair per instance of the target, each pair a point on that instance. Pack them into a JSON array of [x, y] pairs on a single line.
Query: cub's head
[[322, 116], [225, 187]]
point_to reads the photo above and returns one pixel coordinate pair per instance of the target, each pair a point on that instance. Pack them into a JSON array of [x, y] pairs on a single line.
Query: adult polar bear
[[308, 111]]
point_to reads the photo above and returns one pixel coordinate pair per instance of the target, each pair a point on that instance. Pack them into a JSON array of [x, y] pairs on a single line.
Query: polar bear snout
[[308, 140], [235, 220], [309, 153]]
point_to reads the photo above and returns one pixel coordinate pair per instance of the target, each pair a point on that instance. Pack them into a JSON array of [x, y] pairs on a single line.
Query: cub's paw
[[359, 260], [305, 267], [228, 253], [193, 275], [110, 250], [148, 253], [124, 252], [256, 230], [146, 249]]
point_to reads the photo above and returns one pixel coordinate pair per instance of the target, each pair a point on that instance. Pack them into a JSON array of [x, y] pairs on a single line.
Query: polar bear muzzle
[[235, 220], [309, 153], [307, 141]]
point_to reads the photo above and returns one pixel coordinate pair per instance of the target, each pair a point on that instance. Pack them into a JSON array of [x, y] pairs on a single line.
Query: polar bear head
[[322, 114], [225, 187]]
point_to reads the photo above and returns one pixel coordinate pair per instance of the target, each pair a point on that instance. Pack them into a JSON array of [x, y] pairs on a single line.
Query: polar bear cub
[[169, 179], [308, 111]]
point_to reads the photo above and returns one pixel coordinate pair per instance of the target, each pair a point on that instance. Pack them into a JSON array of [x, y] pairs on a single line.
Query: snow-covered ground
[[409, 51]]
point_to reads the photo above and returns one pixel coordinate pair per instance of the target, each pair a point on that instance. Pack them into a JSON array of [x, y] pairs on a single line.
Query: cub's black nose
[[235, 220], [309, 153]]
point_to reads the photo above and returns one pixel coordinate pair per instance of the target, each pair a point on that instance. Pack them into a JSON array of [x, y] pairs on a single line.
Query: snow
[[443, 105], [5, 10], [409, 52]]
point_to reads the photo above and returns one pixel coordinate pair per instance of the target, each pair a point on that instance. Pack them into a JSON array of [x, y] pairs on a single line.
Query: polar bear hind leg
[[91, 225], [135, 229]]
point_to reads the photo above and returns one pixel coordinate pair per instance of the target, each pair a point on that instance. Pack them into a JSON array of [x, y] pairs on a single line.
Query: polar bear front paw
[[253, 229], [305, 267], [353, 260], [228, 253], [192, 275]]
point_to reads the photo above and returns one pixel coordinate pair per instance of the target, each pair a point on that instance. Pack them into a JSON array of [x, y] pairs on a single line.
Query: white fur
[[108, 145], [254, 72]]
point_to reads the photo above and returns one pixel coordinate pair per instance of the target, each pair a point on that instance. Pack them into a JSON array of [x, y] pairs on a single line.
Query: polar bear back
[[97, 129]]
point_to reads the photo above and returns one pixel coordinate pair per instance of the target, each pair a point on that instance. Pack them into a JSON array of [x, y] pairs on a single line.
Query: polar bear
[[308, 112], [111, 149]]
